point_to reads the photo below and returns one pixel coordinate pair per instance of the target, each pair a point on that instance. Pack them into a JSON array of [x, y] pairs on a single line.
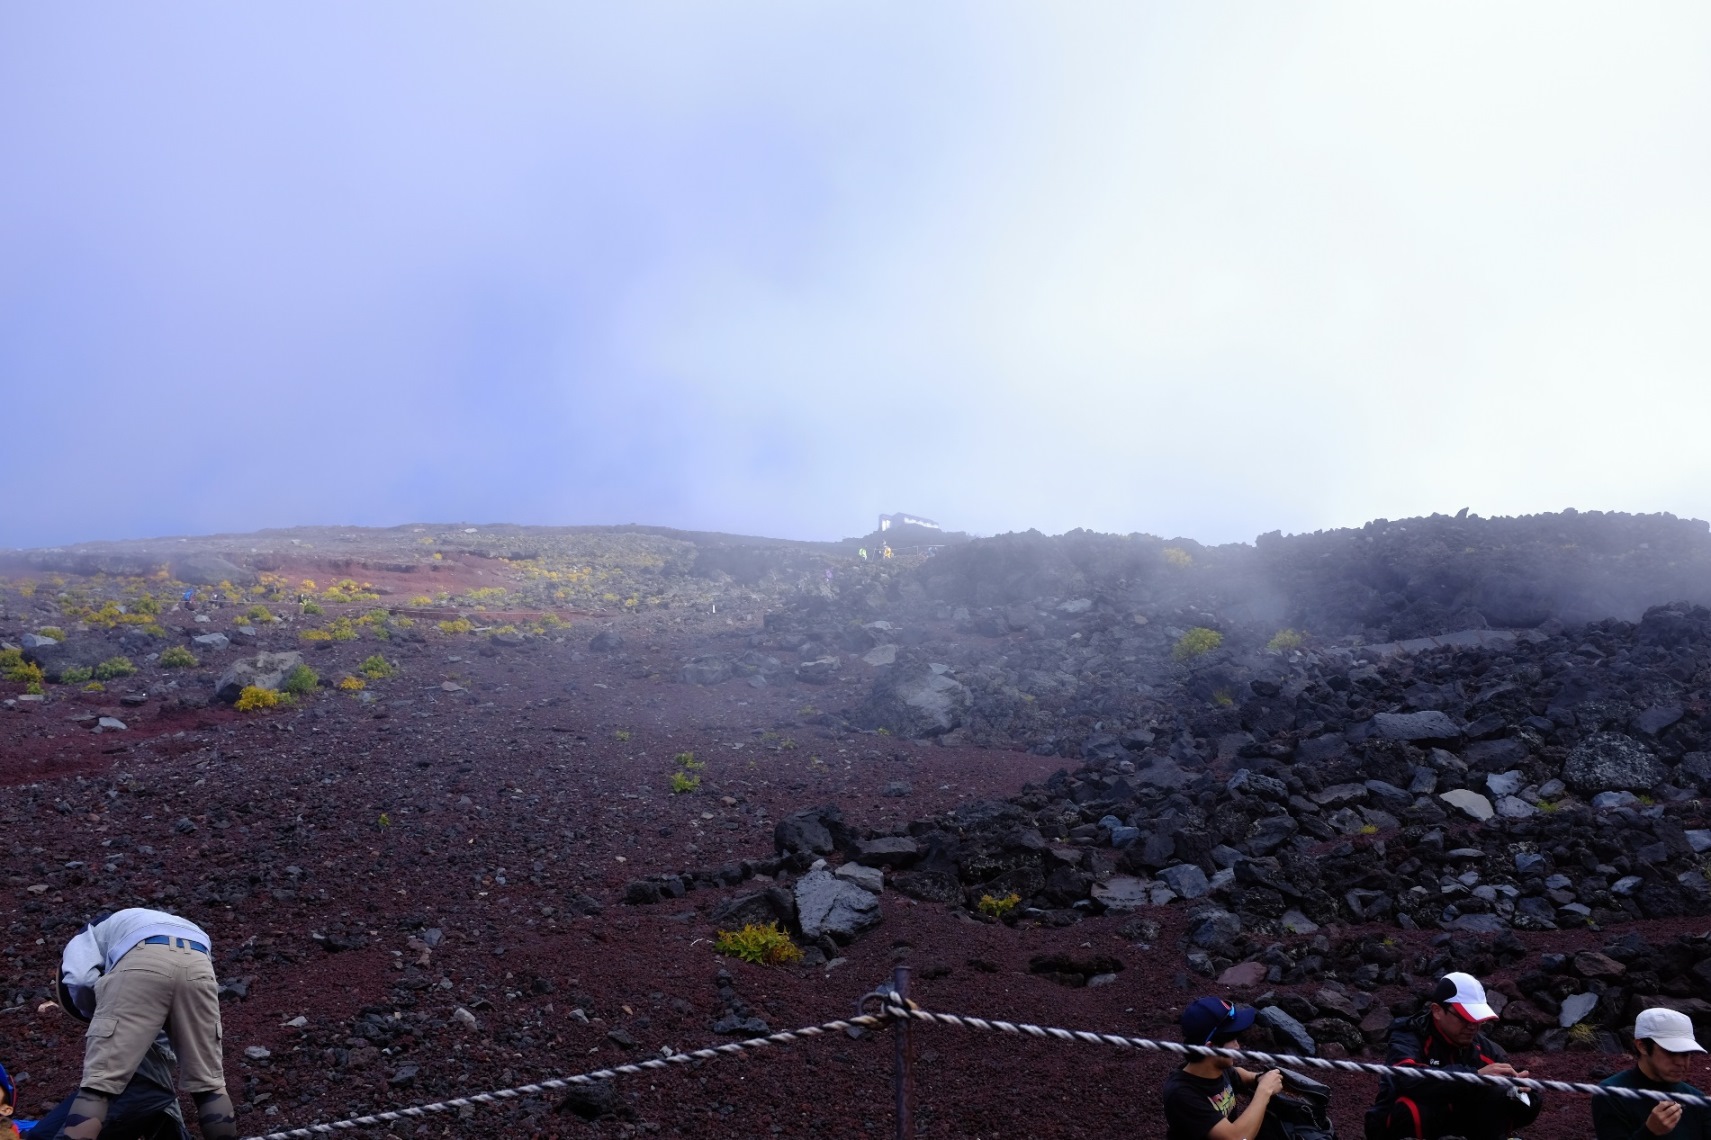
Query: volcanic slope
[[463, 834]]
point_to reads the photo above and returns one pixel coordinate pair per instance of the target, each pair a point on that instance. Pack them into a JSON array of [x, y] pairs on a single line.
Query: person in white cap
[[1446, 1036], [1666, 1046]]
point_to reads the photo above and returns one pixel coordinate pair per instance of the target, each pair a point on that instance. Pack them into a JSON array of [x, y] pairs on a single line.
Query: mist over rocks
[[1402, 786]]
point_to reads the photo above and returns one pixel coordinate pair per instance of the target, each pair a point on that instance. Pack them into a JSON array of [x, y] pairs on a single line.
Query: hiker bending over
[[132, 976], [1200, 1097], [1446, 1036], [1667, 1049]]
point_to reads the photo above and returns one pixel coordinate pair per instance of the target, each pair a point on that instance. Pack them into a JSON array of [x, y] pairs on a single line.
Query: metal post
[[903, 1077]]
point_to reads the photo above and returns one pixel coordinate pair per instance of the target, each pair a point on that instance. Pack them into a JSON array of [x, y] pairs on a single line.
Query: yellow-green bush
[[52, 631], [1177, 558], [998, 906], [255, 698], [300, 681], [353, 684], [376, 668], [259, 615], [682, 782], [178, 657], [1197, 642], [75, 675], [1285, 639], [763, 945], [312, 609], [114, 667], [460, 625]]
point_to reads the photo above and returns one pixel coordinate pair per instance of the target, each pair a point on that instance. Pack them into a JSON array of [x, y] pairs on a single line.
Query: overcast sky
[[1191, 269]]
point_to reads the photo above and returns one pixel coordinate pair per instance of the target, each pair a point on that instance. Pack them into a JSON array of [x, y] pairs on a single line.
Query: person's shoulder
[[1621, 1080]]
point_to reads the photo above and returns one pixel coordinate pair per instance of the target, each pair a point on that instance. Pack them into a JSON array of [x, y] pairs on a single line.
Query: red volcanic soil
[[478, 797]]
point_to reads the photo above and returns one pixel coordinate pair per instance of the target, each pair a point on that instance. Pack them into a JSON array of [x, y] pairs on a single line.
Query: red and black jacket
[[1404, 1101]]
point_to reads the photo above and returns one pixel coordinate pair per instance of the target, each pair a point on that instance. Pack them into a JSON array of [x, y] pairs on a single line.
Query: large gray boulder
[[1612, 762], [915, 700], [74, 653], [264, 671], [826, 905]]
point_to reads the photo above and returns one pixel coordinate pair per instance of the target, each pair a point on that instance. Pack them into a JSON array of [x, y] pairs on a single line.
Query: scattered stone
[[1290, 1030], [1610, 762], [1575, 1008], [870, 879], [1470, 803], [828, 906], [1187, 880]]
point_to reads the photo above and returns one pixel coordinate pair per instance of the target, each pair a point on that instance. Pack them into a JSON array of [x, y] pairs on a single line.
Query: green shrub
[[76, 675], [178, 657], [301, 681], [376, 668], [682, 782], [1178, 558], [763, 945], [52, 631], [1285, 639], [312, 609], [1197, 642], [996, 906], [114, 667], [688, 762], [259, 615]]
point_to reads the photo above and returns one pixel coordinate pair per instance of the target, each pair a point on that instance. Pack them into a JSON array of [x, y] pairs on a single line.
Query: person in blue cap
[[1200, 1097]]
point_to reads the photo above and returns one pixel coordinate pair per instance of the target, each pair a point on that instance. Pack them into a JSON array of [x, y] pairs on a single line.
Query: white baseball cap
[[1464, 994], [1667, 1029]]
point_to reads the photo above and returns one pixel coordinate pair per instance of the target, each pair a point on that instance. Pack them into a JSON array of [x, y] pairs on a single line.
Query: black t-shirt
[[1193, 1105]]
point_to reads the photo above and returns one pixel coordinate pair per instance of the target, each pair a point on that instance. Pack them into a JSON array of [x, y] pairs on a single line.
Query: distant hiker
[[189, 599], [1200, 1097], [1446, 1036], [863, 553], [131, 976], [1667, 1049], [886, 553]]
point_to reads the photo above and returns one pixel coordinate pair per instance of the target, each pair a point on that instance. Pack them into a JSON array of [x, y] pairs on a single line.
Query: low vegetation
[[178, 657], [300, 681], [1197, 642], [114, 667], [254, 698], [762, 945]]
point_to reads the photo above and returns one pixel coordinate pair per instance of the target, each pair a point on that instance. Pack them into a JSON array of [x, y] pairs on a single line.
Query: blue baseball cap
[[1211, 1019]]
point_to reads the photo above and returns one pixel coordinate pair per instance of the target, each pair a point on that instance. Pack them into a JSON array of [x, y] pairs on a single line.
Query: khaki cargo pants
[[150, 989]]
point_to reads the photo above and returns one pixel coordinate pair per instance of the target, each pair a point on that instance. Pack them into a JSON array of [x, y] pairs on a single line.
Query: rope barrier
[[558, 1084], [1281, 1060], [890, 1010]]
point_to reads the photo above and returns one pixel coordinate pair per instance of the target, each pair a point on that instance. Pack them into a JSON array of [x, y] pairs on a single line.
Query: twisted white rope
[[556, 1084], [1287, 1060], [890, 1011]]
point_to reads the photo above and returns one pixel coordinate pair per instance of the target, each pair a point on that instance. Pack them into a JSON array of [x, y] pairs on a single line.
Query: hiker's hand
[[1664, 1118], [1502, 1069], [1269, 1082]]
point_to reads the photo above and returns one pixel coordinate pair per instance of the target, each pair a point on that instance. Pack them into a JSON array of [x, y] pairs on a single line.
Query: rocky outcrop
[[916, 699], [263, 671]]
